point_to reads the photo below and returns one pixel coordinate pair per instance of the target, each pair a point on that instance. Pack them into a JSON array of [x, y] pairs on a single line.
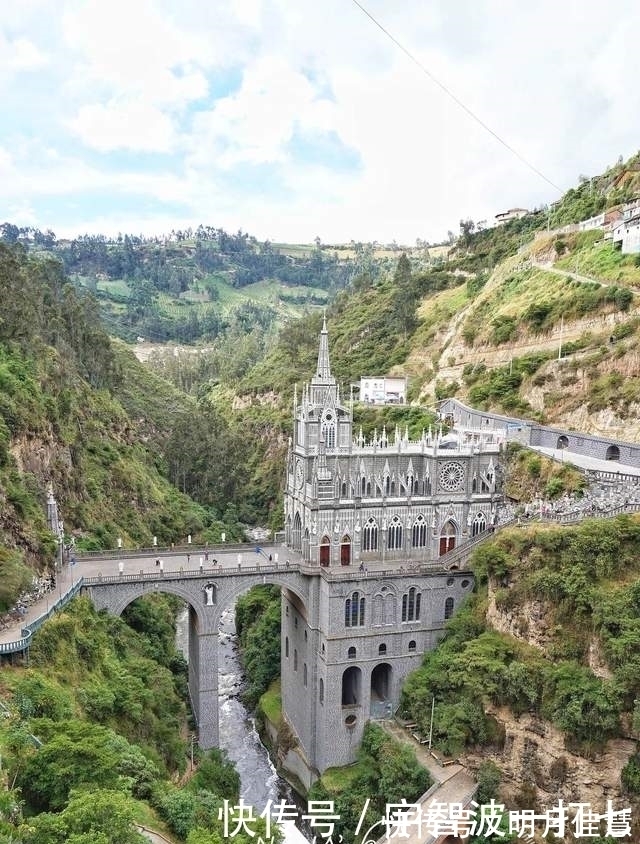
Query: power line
[[457, 100]]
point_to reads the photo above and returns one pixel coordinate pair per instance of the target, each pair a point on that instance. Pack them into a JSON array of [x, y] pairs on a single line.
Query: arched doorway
[[325, 551], [563, 442], [381, 690], [448, 536], [613, 453], [345, 550], [351, 686]]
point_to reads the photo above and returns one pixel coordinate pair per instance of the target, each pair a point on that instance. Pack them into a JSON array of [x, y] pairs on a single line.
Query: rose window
[[451, 477]]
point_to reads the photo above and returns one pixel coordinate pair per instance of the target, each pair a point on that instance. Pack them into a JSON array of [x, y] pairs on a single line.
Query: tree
[[91, 817], [77, 753], [405, 301], [467, 228], [218, 775], [9, 232]]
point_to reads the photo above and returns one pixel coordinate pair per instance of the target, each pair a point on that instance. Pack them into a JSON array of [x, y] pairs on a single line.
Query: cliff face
[[528, 621], [534, 754]]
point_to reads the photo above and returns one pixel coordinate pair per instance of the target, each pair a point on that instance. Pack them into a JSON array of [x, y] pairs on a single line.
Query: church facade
[[370, 519], [350, 501]]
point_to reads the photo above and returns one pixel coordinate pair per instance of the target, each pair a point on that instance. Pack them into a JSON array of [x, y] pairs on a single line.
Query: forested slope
[[80, 412]]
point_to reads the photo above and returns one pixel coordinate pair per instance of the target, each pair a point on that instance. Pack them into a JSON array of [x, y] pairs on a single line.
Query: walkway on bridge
[[592, 464]]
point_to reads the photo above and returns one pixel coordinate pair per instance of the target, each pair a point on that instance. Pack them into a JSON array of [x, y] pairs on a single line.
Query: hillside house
[[511, 214], [626, 234]]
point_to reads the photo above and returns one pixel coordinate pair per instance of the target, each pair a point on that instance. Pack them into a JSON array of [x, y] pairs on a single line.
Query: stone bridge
[[349, 636], [207, 595]]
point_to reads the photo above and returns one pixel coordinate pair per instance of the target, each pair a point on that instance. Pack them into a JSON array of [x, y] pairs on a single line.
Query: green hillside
[[78, 411]]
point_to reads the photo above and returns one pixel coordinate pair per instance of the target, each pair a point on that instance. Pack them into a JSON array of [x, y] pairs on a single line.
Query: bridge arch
[[169, 587], [613, 453], [227, 597]]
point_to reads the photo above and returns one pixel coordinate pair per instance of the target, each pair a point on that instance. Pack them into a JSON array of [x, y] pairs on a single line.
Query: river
[[259, 781]]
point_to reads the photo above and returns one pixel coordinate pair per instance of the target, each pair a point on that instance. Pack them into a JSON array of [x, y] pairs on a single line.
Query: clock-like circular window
[[451, 477]]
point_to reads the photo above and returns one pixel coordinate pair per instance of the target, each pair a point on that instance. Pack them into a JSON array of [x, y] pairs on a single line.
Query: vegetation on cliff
[[581, 584], [385, 772], [78, 411], [95, 734]]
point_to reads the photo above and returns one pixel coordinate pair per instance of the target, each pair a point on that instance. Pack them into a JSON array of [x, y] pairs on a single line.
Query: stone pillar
[[203, 686]]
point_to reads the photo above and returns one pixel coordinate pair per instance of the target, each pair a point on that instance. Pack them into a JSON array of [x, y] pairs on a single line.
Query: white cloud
[[18, 55], [254, 124], [553, 81], [22, 54], [133, 125]]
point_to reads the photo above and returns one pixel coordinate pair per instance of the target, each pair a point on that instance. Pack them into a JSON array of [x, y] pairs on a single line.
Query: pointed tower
[[321, 447]]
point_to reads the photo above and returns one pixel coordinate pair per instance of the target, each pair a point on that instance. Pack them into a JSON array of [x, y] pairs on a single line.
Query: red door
[[345, 554], [447, 543], [325, 555]]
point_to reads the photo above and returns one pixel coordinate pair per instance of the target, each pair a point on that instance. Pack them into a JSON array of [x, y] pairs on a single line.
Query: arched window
[[297, 532], [286, 647], [304, 673], [368, 489], [295, 659], [448, 608], [392, 490], [416, 487], [382, 649], [390, 609], [411, 605], [354, 610], [351, 653], [329, 431], [363, 485], [344, 490], [387, 485], [377, 611], [412, 645], [370, 536], [321, 691], [419, 537], [394, 534], [479, 524]]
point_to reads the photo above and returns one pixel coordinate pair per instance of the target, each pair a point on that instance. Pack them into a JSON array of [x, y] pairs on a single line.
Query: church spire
[[323, 370]]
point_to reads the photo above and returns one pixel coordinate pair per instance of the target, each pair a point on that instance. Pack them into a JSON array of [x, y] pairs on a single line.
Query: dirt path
[[155, 837], [549, 268]]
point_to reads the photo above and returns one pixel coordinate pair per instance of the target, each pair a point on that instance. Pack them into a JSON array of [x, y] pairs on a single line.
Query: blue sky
[[294, 119]]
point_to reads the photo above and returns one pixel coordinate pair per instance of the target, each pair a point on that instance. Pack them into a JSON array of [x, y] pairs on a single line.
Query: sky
[[297, 119]]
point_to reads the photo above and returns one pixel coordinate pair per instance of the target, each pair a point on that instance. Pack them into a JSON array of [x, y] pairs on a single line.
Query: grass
[[146, 816], [118, 287], [271, 703], [603, 261], [338, 780]]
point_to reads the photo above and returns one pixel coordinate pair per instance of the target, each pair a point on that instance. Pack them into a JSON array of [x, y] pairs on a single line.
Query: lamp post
[[433, 706]]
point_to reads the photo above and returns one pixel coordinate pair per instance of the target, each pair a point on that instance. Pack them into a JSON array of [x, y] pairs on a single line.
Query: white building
[[376, 389]]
